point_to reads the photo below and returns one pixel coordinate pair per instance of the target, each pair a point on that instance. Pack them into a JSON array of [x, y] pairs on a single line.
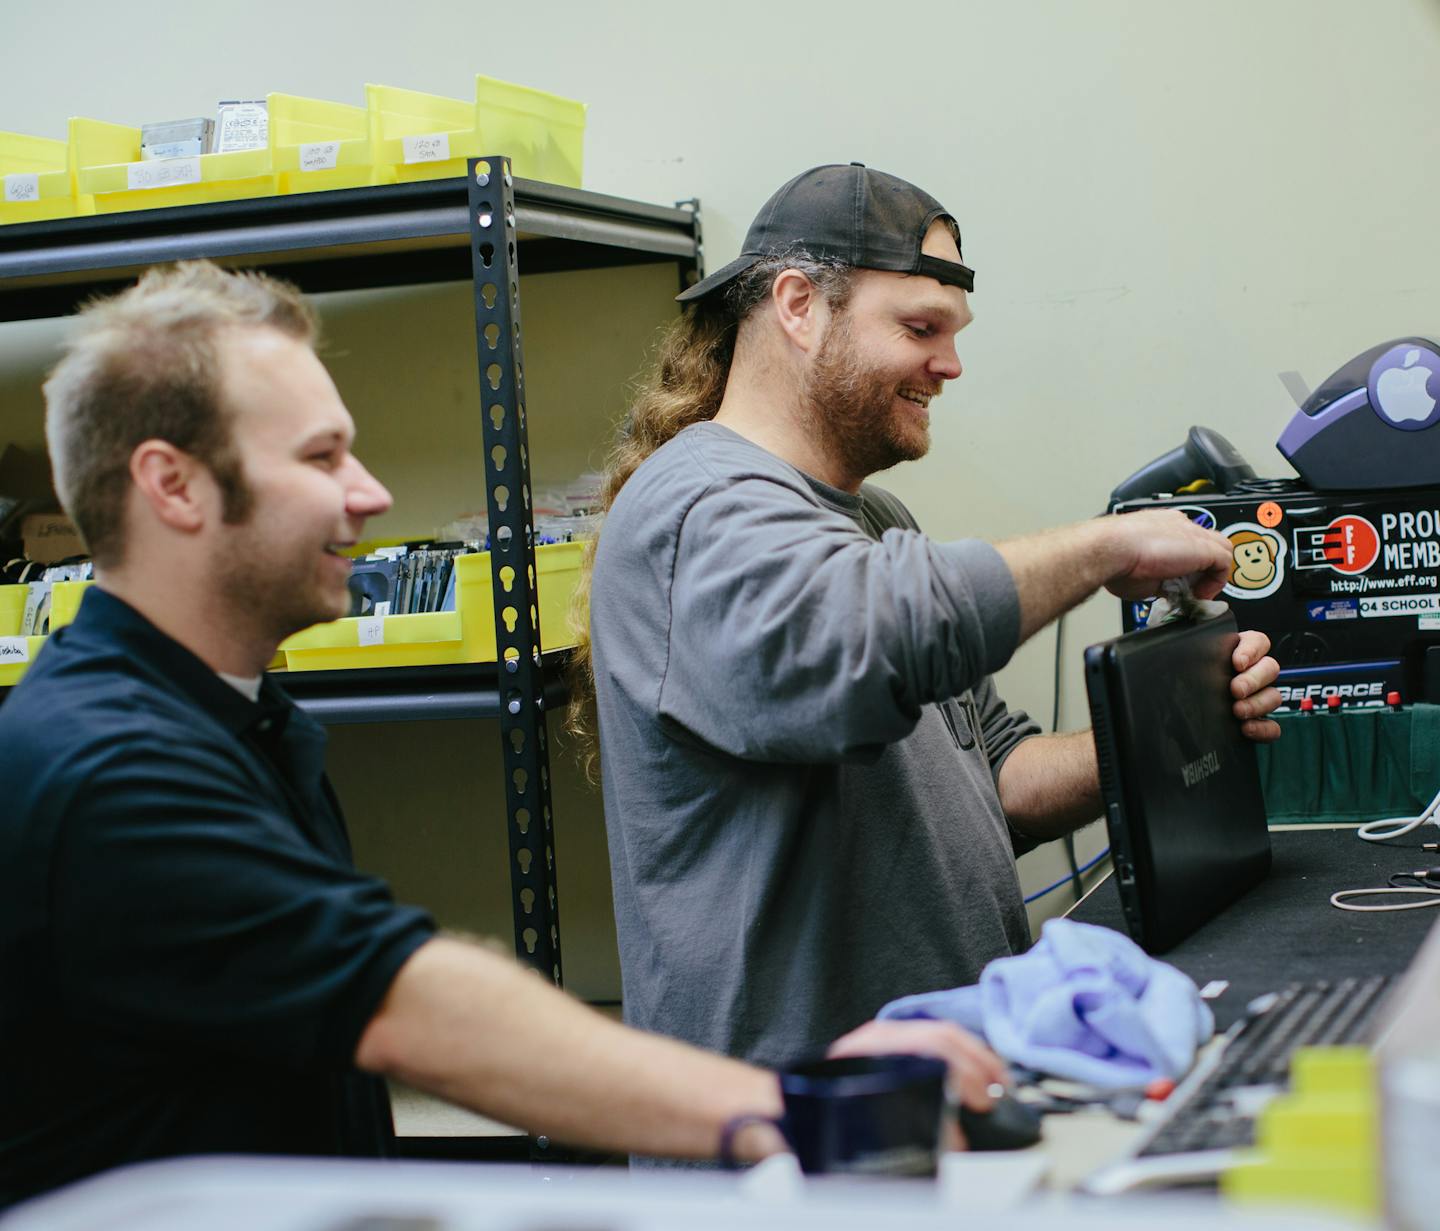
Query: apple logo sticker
[[1399, 387]]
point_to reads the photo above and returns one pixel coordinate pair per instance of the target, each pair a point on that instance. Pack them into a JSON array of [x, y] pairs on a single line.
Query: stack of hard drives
[[406, 580]]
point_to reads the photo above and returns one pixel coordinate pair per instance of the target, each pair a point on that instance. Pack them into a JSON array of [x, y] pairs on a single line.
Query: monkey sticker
[[1257, 566]]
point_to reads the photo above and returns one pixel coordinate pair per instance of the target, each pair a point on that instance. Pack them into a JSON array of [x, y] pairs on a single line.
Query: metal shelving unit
[[489, 229]]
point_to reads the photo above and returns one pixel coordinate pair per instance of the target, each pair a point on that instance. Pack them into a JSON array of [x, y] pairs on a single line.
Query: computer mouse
[[1008, 1125]]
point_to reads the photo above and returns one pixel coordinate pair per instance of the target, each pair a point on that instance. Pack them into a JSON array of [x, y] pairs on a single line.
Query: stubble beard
[[274, 595], [851, 408]]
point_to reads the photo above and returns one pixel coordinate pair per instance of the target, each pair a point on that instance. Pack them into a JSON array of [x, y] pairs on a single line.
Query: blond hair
[[143, 365]]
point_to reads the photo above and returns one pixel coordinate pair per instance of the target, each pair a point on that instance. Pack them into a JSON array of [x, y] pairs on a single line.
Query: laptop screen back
[[1181, 787]]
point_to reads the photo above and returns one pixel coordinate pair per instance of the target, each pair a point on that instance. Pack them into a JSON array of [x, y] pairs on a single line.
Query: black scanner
[[1374, 424]]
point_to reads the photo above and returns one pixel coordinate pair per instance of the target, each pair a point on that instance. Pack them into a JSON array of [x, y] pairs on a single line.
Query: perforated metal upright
[[512, 563]]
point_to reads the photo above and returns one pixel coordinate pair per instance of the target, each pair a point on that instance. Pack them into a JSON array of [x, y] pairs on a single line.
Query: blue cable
[[1065, 880]]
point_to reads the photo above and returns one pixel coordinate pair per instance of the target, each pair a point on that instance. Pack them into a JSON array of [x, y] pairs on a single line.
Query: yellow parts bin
[[421, 136], [316, 145], [37, 180], [424, 136], [108, 166], [1318, 1144], [543, 134], [17, 652], [465, 635]]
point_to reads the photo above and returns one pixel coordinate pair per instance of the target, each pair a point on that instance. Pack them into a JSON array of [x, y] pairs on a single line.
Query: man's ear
[[800, 309], [171, 484]]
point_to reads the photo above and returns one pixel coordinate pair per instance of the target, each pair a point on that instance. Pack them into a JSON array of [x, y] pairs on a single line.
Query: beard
[[270, 578], [851, 407]]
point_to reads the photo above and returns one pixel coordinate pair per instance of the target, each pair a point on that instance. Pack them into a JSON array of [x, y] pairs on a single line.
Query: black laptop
[[1181, 787]]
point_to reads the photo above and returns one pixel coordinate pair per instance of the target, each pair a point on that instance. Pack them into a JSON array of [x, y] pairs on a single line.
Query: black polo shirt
[[187, 955]]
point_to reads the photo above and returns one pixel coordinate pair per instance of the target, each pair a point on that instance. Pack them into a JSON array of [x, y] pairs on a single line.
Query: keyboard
[[1211, 1115]]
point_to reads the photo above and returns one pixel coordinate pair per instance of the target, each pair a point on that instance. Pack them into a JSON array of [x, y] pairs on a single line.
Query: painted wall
[[1166, 203]]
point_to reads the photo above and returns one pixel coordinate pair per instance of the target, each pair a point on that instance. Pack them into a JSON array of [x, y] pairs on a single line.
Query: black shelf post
[[523, 742]]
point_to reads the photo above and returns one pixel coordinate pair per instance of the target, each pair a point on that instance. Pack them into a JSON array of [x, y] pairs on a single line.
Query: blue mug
[[865, 1115]]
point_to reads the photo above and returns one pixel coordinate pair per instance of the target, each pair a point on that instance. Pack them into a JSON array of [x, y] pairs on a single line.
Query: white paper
[[319, 156], [22, 187], [162, 174], [36, 620], [14, 650], [371, 630], [430, 147]]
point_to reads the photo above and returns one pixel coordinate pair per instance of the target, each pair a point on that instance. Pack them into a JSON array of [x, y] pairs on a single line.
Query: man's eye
[[920, 331], [322, 459]]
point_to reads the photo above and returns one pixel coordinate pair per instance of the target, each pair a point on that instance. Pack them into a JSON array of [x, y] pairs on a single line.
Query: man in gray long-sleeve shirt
[[813, 794]]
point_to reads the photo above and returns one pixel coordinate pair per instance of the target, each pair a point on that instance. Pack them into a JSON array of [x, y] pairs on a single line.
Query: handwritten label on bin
[[22, 187], [431, 147], [371, 630], [319, 155], [162, 173], [14, 650]]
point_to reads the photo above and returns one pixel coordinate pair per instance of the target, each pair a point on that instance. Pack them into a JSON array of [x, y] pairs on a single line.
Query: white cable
[[1335, 898], [1372, 831]]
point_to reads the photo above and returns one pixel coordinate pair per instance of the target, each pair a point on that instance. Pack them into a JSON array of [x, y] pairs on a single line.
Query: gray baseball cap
[[848, 213]]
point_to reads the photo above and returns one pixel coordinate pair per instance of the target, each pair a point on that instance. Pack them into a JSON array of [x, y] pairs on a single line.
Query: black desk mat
[[1285, 930]]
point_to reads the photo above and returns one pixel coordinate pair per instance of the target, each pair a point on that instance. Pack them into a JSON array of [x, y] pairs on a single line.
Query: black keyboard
[[1212, 1112]]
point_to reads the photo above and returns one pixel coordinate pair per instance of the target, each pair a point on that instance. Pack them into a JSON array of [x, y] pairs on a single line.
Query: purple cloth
[[1084, 1003]]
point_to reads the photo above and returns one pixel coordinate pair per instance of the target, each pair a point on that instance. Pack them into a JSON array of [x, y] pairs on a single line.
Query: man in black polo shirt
[[189, 962]]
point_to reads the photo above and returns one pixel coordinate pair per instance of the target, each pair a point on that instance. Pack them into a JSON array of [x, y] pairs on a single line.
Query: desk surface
[[1285, 929]]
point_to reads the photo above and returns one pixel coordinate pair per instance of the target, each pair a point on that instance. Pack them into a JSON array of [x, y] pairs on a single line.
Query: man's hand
[[1253, 686], [973, 1066], [1153, 545]]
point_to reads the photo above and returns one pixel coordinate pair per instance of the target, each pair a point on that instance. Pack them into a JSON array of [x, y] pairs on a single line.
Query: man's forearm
[[1056, 570], [472, 1027], [1050, 785], [1130, 555]]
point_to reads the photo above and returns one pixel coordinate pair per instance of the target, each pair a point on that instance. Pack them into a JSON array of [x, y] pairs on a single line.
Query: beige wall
[[1167, 204]]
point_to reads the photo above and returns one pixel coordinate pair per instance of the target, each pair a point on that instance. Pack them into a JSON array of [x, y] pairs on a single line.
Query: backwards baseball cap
[[853, 214]]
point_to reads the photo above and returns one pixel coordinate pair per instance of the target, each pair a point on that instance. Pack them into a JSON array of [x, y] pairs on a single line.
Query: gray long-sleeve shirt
[[799, 742]]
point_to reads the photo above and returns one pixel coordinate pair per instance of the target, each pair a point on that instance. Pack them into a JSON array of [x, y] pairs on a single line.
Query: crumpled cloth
[[1176, 602], [1084, 1003]]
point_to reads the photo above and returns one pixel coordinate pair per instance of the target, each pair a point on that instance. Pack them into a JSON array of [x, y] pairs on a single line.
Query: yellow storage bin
[[316, 145], [37, 181], [465, 635], [108, 165], [17, 652], [421, 136], [543, 134]]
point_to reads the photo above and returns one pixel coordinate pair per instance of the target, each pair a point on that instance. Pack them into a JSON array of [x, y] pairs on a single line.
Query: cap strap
[[951, 273]]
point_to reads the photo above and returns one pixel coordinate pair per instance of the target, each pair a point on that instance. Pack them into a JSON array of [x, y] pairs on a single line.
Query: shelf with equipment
[[488, 229], [349, 239]]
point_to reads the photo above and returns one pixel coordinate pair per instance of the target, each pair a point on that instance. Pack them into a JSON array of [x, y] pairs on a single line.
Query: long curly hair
[[684, 384]]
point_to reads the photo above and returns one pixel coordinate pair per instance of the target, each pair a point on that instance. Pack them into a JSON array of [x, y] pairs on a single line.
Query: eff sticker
[[1349, 544]]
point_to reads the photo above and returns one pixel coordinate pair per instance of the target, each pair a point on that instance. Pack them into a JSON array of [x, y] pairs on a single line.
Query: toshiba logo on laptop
[[1200, 768]]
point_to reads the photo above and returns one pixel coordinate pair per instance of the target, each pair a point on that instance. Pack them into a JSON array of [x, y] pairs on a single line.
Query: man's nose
[[365, 495], [945, 363]]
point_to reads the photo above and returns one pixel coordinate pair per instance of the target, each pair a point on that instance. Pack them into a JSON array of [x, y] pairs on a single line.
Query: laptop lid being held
[[1179, 780]]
